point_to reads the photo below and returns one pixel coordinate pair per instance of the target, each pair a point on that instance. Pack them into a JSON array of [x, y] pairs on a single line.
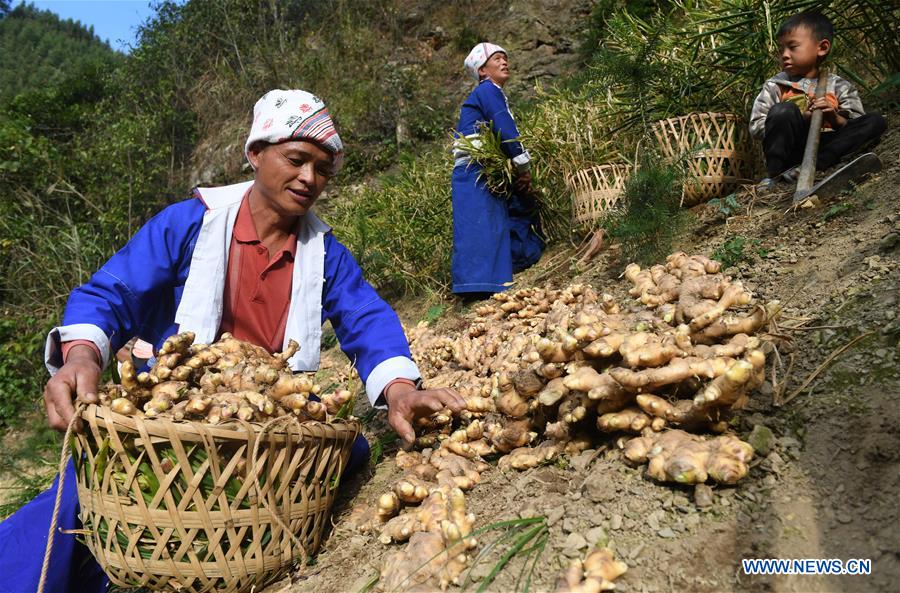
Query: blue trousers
[[72, 569]]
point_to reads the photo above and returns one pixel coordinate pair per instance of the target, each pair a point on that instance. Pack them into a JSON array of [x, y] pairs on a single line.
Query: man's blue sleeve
[[133, 285], [367, 328]]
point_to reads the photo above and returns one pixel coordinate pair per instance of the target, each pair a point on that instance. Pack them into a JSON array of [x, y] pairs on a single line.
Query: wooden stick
[[807, 176], [822, 366], [777, 363], [776, 396], [801, 328]]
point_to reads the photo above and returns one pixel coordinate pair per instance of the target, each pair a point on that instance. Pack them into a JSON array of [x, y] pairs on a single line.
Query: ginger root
[[439, 542], [528, 457], [229, 379], [677, 456], [549, 370], [593, 574]]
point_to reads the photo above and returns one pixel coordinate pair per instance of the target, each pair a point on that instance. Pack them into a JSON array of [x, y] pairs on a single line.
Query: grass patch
[[523, 539], [836, 210], [734, 250], [434, 313], [399, 228], [725, 207], [383, 442], [519, 538], [29, 463]]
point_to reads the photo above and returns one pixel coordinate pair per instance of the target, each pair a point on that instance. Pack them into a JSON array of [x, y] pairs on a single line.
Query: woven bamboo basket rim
[[232, 429], [725, 114], [676, 134], [573, 177]]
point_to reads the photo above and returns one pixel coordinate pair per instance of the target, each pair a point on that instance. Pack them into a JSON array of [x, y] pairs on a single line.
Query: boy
[[783, 108]]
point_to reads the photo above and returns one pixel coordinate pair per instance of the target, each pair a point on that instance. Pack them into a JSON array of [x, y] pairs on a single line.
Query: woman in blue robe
[[493, 235]]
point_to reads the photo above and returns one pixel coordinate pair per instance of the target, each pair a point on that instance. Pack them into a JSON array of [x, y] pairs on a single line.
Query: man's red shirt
[[257, 286]]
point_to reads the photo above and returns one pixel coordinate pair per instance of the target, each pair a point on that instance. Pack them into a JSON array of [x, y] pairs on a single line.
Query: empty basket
[[596, 191], [717, 149]]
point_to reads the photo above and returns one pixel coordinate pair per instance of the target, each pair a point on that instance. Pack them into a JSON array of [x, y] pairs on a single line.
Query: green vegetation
[[31, 463], [652, 215], [399, 229], [731, 252], [836, 210], [434, 313], [726, 206], [385, 440], [37, 49], [523, 539]]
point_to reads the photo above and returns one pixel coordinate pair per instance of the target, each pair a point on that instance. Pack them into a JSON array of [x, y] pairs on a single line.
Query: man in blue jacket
[[251, 259]]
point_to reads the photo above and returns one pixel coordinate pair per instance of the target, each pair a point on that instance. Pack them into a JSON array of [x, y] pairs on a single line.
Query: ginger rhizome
[[435, 523], [595, 573], [677, 456], [216, 382]]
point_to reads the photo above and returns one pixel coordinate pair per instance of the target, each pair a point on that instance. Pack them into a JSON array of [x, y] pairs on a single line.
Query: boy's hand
[[406, 404], [79, 376], [828, 105]]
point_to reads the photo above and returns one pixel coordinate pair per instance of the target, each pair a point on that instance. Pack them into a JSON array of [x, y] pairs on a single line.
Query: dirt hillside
[[826, 483]]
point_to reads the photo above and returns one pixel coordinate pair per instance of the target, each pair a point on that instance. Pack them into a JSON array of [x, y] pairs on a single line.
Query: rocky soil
[[826, 479]]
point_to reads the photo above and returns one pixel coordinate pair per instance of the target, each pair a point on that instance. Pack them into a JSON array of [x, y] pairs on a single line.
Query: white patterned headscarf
[[479, 56], [282, 115]]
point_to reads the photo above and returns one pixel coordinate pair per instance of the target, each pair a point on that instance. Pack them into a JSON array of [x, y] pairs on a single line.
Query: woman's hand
[[406, 404], [522, 184], [79, 376]]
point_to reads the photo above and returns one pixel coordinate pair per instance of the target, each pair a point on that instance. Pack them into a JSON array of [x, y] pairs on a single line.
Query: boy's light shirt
[[783, 87]]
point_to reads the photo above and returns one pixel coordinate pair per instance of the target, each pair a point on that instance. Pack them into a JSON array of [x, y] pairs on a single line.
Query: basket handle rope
[[254, 460], [63, 460]]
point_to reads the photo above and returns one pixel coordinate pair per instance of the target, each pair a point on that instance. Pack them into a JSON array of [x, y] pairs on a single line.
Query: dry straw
[[196, 507], [716, 148]]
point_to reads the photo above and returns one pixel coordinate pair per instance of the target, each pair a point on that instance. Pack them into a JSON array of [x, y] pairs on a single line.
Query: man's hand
[[406, 404], [522, 184], [79, 376]]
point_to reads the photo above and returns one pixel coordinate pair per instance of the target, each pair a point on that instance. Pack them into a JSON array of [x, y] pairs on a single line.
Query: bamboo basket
[[596, 191], [718, 152], [196, 507]]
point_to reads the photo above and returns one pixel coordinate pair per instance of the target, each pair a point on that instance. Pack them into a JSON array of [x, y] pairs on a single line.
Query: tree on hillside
[[38, 48]]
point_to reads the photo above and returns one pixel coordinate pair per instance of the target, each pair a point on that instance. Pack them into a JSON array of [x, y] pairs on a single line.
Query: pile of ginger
[[549, 371], [215, 382]]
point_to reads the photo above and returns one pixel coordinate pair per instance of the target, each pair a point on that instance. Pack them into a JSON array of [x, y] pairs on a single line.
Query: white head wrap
[[282, 115], [479, 56]]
